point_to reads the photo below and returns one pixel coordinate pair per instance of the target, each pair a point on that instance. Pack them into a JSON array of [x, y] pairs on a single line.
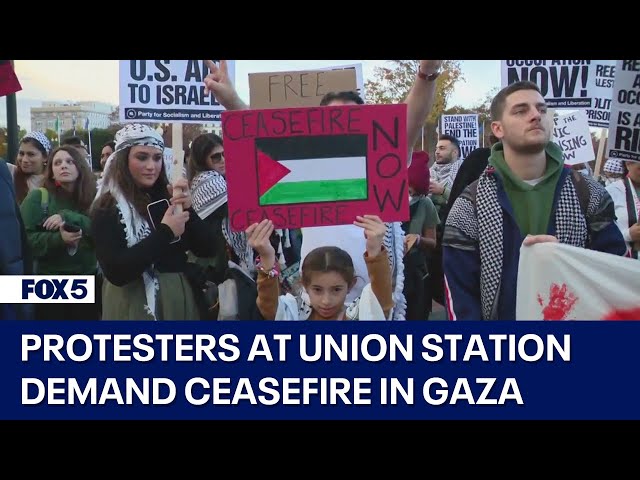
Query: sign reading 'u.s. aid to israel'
[[171, 91], [316, 166]]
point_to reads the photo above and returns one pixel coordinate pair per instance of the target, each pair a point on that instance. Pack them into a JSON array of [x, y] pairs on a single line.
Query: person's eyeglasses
[[217, 157]]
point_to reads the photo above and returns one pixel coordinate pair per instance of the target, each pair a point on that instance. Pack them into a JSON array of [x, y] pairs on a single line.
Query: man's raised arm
[[421, 98]]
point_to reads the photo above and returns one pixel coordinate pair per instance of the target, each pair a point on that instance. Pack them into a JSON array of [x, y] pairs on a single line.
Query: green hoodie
[[47, 247], [531, 204]]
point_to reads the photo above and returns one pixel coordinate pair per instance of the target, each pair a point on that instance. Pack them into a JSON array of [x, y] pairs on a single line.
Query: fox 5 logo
[[47, 289]]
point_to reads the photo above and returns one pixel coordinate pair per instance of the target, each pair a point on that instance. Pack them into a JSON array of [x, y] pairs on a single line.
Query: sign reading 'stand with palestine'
[[305, 167]]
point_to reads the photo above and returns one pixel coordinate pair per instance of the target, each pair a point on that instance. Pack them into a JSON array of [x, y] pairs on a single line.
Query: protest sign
[[465, 128], [298, 89], [624, 130], [304, 167], [571, 132], [574, 84], [170, 91]]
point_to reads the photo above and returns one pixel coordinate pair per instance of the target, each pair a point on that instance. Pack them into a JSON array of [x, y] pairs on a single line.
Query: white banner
[[574, 84], [465, 128], [571, 132], [171, 91], [561, 282], [624, 131]]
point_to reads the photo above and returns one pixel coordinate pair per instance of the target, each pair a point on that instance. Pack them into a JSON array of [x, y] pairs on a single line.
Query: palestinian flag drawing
[[312, 169]]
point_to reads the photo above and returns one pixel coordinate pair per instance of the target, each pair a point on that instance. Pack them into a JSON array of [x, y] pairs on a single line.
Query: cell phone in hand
[[70, 227], [156, 211]]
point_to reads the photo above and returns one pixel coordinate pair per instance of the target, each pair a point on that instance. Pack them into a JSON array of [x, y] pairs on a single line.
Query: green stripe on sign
[[318, 191]]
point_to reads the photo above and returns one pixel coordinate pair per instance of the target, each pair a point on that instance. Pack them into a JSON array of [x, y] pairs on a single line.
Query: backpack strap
[[44, 202]]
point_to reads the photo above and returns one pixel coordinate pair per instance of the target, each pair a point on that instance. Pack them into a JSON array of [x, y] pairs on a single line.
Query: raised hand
[[374, 232], [430, 66], [180, 193], [258, 237], [533, 239], [219, 83], [71, 238], [175, 221]]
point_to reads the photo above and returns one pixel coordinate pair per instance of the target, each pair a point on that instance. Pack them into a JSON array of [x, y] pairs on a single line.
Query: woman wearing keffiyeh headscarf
[[144, 266]]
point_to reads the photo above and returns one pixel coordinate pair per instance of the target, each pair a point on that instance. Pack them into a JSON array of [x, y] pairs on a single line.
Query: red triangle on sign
[[270, 172]]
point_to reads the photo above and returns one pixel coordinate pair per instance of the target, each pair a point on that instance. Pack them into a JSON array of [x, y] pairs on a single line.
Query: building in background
[[71, 115]]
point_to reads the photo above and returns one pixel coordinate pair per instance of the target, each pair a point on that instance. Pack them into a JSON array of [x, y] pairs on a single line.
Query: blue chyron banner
[[320, 370]]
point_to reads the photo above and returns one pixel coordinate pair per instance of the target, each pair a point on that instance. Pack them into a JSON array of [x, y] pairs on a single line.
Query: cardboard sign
[[172, 91], [298, 89], [306, 167], [624, 131]]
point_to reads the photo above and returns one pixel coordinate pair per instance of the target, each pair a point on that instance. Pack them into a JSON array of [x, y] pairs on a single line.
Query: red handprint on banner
[[561, 302]]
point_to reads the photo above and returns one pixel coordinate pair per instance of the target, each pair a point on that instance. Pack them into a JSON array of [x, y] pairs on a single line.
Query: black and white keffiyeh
[[209, 193], [445, 173], [136, 228], [479, 216]]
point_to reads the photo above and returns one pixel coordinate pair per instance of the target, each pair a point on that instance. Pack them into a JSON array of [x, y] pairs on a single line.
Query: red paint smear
[[540, 301], [561, 302], [631, 314]]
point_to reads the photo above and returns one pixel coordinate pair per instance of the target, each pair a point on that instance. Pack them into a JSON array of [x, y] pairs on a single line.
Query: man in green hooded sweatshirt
[[525, 195]]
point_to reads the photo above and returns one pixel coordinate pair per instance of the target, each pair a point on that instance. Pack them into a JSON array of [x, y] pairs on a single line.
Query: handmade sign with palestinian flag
[[305, 167], [562, 282]]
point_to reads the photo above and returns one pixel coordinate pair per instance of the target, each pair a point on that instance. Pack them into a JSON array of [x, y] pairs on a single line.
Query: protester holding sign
[[626, 198], [209, 187], [327, 275], [140, 240], [524, 194], [419, 103]]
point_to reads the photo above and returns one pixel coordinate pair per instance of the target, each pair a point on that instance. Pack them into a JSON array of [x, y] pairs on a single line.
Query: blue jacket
[[14, 250], [461, 254]]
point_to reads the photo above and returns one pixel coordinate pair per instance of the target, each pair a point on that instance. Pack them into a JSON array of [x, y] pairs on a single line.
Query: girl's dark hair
[[85, 185], [120, 174], [201, 148], [20, 178], [328, 259]]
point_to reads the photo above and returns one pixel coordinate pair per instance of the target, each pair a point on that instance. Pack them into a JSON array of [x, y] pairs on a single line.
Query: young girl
[[327, 276], [59, 230]]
